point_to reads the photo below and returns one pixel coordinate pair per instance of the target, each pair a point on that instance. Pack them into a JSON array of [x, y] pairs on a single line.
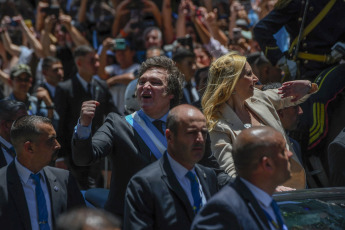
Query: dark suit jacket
[[43, 85], [233, 207], [69, 97], [3, 161], [336, 159], [128, 153], [156, 200], [14, 214]]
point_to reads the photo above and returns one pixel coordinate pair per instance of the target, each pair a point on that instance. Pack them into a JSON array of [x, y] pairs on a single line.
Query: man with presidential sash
[[136, 140], [317, 45]]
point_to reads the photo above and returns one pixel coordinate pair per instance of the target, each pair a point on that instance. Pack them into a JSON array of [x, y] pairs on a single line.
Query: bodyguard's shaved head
[[251, 145]]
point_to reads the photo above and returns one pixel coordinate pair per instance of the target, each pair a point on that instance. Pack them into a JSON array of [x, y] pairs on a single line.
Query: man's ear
[[266, 164], [78, 61], [168, 135], [28, 147]]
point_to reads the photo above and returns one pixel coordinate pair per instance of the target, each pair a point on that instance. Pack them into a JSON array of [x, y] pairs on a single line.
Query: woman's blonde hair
[[222, 78]]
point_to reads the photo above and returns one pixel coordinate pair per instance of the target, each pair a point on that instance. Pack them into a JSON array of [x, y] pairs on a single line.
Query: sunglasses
[[27, 79]]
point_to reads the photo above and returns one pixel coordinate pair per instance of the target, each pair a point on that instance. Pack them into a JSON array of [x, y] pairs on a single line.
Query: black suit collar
[[15, 189], [170, 179], [3, 161], [251, 202]]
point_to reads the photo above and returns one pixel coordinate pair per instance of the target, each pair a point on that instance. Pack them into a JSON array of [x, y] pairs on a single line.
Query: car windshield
[[314, 214]]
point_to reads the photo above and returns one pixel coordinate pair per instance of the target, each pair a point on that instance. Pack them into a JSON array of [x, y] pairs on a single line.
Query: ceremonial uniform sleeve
[[271, 24]]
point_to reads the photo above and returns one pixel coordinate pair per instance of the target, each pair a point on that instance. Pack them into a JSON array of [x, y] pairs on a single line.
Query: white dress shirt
[[180, 173]]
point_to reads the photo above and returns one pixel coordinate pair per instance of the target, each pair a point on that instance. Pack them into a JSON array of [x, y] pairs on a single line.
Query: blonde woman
[[231, 103]]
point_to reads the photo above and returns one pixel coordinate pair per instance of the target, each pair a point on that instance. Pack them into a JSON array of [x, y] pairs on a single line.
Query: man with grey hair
[[262, 163]]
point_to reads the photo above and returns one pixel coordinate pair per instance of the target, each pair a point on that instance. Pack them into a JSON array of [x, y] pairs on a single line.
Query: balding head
[[253, 145], [186, 134], [185, 112]]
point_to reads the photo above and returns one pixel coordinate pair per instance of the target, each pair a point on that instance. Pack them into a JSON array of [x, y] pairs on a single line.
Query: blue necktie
[[41, 204], [275, 207], [195, 191]]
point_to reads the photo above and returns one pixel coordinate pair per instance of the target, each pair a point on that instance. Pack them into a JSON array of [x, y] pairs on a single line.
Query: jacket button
[[304, 45], [311, 8], [306, 62]]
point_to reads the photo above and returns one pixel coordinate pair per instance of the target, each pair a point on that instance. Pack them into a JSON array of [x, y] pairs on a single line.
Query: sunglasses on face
[[26, 80]]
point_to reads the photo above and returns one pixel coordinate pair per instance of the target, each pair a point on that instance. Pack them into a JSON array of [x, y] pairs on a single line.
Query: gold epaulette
[[281, 4]]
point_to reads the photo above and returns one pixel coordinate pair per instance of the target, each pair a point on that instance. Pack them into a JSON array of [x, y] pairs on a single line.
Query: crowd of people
[[192, 113]]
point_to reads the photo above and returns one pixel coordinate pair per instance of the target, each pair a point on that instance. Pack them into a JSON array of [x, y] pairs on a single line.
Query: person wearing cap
[[40, 104], [118, 76]]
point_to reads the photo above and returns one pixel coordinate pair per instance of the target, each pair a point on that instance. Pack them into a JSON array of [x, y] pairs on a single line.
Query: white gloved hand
[[288, 66], [338, 51]]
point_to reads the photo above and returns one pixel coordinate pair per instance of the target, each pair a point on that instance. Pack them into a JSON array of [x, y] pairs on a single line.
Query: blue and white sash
[[152, 137]]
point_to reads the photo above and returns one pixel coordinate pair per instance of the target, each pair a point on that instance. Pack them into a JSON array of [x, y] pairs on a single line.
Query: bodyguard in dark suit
[[10, 111], [32, 194], [134, 141], [162, 196], [262, 162], [69, 97], [53, 73]]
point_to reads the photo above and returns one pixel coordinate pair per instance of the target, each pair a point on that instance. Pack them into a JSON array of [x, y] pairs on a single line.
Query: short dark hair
[[49, 61], [248, 153], [173, 119], [25, 129], [172, 122], [82, 51], [77, 219], [181, 53], [175, 77], [9, 108]]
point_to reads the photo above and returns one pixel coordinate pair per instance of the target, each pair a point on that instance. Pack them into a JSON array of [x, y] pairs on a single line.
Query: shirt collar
[[83, 82], [258, 193], [163, 118], [178, 169], [25, 173]]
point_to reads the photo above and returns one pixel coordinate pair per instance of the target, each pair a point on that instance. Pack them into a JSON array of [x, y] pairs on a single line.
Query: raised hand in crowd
[[151, 7], [122, 12]]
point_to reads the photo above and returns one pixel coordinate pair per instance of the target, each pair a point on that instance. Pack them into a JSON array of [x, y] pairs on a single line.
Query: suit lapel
[[232, 119], [78, 90], [203, 181], [252, 203], [3, 161], [168, 176], [54, 193], [16, 191]]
